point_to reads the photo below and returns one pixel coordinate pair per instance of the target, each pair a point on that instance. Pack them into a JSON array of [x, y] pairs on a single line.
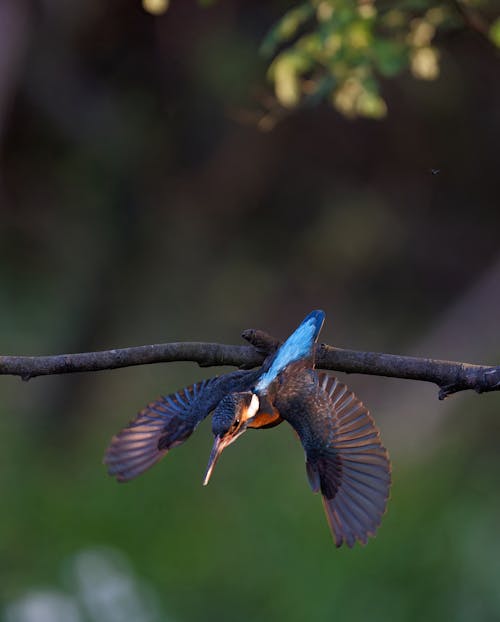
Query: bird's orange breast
[[266, 419]]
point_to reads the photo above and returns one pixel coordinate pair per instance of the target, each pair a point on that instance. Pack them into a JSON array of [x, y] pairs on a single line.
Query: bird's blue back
[[298, 346]]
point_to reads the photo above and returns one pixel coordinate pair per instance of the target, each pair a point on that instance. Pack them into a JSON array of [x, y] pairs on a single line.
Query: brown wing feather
[[353, 467], [345, 459], [162, 425]]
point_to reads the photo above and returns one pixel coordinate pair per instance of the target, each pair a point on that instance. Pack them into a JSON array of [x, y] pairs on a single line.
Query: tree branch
[[449, 376]]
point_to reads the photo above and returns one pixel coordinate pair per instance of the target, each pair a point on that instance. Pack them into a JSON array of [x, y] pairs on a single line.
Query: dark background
[[139, 203]]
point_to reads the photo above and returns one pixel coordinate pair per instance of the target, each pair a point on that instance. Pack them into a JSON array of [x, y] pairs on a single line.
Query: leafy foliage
[[339, 49]]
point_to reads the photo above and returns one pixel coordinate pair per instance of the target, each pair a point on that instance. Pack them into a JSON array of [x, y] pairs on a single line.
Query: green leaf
[[371, 105], [286, 28], [358, 35], [285, 71], [390, 56], [495, 32], [311, 44]]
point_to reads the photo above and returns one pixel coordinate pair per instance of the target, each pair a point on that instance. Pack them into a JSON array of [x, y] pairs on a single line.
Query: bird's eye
[[236, 422]]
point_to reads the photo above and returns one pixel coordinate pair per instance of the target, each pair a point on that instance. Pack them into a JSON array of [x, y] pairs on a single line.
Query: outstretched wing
[[166, 423], [345, 458]]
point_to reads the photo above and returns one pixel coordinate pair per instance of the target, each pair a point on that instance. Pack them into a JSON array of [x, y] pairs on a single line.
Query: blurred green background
[[140, 203]]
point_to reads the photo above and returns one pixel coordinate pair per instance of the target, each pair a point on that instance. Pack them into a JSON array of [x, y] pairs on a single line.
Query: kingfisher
[[345, 458]]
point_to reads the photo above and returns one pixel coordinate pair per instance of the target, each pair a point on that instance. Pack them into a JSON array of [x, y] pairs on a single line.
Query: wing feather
[[168, 422], [345, 458], [163, 424]]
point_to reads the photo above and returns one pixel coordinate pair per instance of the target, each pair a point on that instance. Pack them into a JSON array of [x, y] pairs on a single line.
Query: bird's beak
[[217, 449], [220, 443]]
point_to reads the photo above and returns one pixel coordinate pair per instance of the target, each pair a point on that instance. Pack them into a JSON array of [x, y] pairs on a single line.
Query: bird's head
[[230, 420]]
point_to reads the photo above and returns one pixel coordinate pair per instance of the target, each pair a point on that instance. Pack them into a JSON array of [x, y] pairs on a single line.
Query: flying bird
[[345, 459]]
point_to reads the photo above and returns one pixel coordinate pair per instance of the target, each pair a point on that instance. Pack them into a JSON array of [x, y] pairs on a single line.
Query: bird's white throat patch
[[253, 407]]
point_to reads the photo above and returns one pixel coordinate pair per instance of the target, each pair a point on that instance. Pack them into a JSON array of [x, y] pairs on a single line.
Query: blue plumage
[[345, 459], [298, 346]]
